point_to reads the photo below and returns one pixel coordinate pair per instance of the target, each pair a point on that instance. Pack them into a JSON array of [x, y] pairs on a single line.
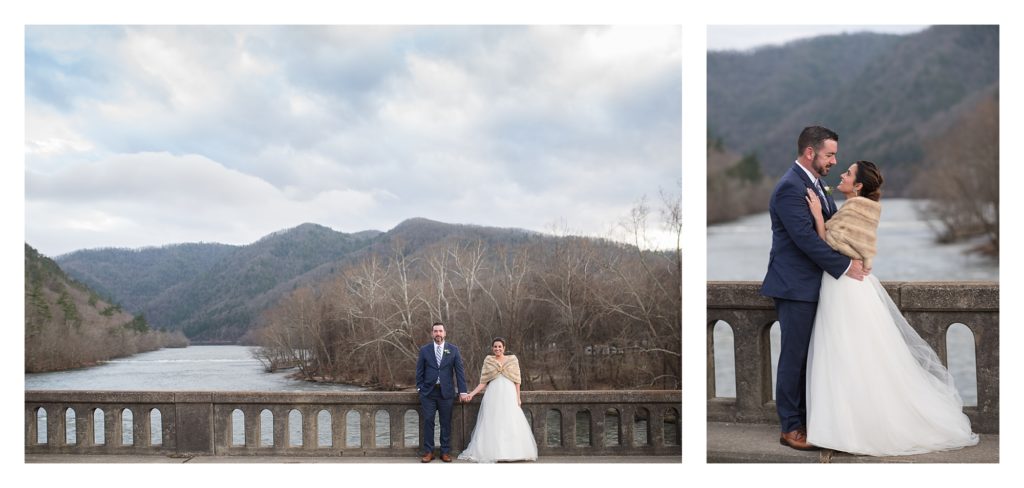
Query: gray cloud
[[226, 134]]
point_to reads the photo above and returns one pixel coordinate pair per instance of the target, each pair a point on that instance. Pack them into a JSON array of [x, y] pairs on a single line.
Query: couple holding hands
[[502, 432]]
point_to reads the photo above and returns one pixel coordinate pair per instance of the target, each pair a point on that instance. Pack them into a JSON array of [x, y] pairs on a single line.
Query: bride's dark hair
[[870, 179]]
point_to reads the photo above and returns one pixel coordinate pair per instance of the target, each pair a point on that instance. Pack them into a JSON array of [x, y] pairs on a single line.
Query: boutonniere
[[447, 351], [828, 190]]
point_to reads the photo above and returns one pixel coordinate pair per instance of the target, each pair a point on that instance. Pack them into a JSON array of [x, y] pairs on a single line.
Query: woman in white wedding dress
[[874, 386], [502, 432]]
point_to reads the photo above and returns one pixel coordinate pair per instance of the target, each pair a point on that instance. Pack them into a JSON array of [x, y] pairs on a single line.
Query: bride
[[873, 385], [502, 432]]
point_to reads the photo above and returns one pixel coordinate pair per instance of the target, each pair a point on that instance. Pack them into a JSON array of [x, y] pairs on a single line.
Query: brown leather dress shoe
[[797, 439], [428, 457], [445, 457]]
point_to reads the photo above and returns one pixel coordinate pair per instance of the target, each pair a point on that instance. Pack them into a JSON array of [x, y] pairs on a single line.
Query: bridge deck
[[95, 459], [758, 443]]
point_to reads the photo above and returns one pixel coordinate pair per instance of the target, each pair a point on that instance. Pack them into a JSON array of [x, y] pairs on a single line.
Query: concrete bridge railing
[[930, 307], [566, 423]]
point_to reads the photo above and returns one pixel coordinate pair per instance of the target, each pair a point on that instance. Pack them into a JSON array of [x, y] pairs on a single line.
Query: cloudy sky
[[744, 37], [139, 136]]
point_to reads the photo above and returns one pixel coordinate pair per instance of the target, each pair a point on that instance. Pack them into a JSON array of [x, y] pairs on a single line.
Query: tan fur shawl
[[853, 230], [492, 369]]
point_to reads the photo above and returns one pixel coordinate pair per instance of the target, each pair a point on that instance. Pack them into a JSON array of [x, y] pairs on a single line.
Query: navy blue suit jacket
[[798, 255], [428, 372]]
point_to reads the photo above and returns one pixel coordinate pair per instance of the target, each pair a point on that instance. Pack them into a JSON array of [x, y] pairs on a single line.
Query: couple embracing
[[502, 432], [852, 375]]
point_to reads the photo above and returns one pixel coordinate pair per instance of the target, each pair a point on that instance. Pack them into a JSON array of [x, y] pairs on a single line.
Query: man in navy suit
[[439, 361], [798, 257]]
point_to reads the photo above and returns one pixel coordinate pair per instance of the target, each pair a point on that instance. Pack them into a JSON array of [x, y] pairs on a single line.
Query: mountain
[[209, 291], [135, 276], [216, 292], [69, 325], [887, 96]]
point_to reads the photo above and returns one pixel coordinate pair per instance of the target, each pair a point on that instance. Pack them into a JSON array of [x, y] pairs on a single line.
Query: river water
[[195, 368], [906, 252]]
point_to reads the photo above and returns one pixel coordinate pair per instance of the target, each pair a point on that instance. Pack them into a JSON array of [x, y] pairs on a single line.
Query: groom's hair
[[814, 136], [435, 324]]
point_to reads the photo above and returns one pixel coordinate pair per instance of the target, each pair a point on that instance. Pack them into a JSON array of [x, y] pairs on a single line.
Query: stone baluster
[[84, 436], [339, 429], [309, 430], [367, 427]]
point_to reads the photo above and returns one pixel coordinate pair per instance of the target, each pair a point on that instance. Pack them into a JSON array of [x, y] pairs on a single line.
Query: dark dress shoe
[[427, 457], [797, 439], [445, 457]]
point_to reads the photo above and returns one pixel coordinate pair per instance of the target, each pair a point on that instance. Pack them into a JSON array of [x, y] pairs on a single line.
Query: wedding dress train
[[873, 385]]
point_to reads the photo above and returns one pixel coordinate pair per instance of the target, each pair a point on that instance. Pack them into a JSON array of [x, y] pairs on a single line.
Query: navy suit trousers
[[433, 403], [796, 319]]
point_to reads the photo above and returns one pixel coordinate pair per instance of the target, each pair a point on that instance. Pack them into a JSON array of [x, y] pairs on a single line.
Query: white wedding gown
[[502, 432], [873, 385]]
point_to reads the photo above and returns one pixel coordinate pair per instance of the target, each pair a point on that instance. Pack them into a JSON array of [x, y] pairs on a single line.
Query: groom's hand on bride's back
[[857, 270]]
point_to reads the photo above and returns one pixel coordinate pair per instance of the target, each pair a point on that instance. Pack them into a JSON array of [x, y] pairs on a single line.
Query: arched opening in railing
[[583, 435], [354, 427], [612, 427], [41, 426], [553, 428], [411, 421], [382, 429], [775, 343], [237, 427], [70, 427], [670, 427], [324, 434], [99, 427], [266, 428], [294, 428], [127, 427], [961, 360], [724, 354], [156, 428], [641, 427]]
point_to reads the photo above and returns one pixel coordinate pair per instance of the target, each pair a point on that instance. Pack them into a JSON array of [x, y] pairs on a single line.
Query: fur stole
[[853, 230]]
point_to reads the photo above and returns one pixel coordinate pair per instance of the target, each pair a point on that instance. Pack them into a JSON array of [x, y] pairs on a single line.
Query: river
[[906, 252]]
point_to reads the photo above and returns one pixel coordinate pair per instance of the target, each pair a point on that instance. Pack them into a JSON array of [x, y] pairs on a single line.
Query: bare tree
[[962, 181]]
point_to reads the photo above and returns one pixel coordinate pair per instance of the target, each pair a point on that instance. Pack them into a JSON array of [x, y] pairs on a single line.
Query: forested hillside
[[68, 325], [211, 292], [887, 96]]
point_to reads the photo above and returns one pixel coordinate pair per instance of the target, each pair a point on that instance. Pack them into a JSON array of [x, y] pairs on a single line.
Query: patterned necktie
[[437, 354], [824, 197]]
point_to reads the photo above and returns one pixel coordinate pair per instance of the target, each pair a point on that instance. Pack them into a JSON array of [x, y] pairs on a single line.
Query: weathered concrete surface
[[90, 459], [930, 307], [201, 423], [759, 443]]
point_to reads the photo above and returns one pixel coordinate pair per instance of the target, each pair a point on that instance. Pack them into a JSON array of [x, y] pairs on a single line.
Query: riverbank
[[163, 340]]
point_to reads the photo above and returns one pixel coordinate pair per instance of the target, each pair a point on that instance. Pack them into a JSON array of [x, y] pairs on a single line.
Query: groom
[[797, 259], [437, 363]]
